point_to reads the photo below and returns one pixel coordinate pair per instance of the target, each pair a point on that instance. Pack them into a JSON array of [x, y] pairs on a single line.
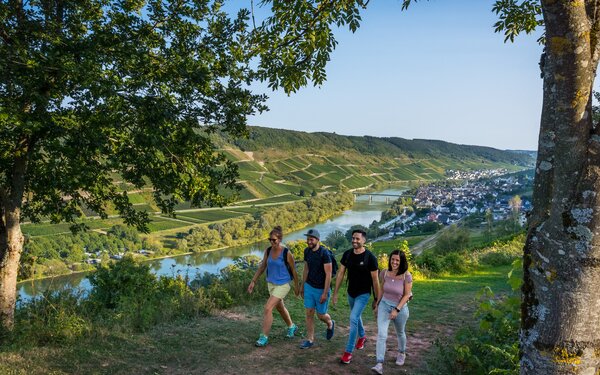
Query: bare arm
[[291, 261], [327, 267], [338, 281], [375, 279], [379, 295], [261, 268]]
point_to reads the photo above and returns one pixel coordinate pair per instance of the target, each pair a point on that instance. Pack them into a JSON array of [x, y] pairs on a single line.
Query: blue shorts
[[312, 297]]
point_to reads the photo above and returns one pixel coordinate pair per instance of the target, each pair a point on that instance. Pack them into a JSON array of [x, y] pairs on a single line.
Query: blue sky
[[435, 71]]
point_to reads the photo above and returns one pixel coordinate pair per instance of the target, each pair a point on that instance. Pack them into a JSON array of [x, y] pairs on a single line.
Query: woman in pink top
[[392, 305]]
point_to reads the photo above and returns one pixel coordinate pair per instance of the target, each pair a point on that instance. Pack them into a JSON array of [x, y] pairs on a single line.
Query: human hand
[[251, 286], [323, 297], [334, 299]]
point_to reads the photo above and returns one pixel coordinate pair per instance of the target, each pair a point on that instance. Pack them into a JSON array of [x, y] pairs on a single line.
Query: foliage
[[491, 346], [502, 252], [51, 318], [296, 41], [128, 293], [454, 238], [250, 227], [336, 240], [515, 17], [56, 255], [297, 248], [370, 151]]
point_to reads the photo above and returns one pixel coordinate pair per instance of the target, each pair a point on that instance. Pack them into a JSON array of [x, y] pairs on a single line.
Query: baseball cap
[[313, 233]]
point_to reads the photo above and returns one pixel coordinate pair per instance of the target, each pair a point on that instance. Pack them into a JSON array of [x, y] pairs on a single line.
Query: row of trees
[[251, 228], [54, 255]]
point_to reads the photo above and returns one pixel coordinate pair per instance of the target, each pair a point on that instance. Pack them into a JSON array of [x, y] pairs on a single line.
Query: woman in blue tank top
[[278, 261]]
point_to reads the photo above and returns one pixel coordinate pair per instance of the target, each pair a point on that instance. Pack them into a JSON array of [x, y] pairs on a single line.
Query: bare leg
[[268, 314], [325, 318], [284, 313], [310, 324]]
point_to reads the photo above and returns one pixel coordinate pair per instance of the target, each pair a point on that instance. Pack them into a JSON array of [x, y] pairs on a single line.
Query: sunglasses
[[273, 239]]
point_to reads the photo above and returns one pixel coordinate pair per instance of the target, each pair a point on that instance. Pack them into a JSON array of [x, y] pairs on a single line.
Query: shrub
[[123, 279], [455, 263], [430, 262], [503, 253], [491, 346], [51, 318]]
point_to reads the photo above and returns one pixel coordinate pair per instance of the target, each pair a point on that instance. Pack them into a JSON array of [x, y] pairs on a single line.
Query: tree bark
[[11, 247], [560, 308], [11, 237]]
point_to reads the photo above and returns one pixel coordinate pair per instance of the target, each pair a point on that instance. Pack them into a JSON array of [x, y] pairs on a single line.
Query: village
[[489, 192]]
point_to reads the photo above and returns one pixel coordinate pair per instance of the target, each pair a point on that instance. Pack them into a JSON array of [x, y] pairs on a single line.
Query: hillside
[[275, 166], [277, 161]]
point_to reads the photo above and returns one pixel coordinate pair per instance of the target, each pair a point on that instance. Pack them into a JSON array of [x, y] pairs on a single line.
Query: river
[[363, 212]]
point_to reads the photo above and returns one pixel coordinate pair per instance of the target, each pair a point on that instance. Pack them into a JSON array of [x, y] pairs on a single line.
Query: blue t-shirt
[[277, 272], [315, 261]]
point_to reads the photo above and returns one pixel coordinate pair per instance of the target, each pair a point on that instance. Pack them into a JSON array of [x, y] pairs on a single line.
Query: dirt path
[[283, 356]]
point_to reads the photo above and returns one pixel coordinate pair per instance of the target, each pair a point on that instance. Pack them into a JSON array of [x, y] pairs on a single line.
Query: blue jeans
[[383, 322], [357, 305]]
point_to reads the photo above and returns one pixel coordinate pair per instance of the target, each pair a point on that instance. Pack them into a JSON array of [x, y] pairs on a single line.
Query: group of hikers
[[391, 288]]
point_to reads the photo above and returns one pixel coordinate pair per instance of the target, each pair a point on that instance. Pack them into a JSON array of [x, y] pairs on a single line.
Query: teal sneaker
[[262, 341], [292, 331]]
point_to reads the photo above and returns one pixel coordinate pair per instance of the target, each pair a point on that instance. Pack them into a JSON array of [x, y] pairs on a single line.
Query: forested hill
[[291, 141], [275, 161]]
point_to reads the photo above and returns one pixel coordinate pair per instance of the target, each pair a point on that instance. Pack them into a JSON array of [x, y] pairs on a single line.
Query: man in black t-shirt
[[316, 287], [362, 277]]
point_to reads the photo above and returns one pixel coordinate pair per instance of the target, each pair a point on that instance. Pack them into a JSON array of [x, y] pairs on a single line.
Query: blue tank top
[[277, 272]]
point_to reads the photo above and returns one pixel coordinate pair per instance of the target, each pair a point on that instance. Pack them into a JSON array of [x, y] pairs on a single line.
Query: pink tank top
[[393, 289]]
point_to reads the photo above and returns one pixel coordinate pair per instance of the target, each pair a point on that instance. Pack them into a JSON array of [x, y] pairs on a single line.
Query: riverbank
[[213, 230]]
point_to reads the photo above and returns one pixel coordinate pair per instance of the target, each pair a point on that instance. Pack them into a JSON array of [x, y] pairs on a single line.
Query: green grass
[[47, 229], [159, 224], [224, 343], [136, 198], [280, 199], [244, 210], [387, 246], [209, 215]]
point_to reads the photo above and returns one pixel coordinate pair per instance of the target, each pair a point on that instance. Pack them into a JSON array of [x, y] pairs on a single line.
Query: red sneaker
[[346, 358], [360, 343]]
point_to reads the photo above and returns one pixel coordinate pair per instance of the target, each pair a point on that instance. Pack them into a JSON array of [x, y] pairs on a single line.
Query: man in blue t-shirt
[[316, 287]]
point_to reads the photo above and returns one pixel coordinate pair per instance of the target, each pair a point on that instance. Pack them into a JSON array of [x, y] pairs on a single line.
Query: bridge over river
[[387, 196]]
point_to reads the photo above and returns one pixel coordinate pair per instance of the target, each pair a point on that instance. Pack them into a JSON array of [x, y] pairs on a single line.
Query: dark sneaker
[[346, 358], [292, 331], [330, 331], [306, 344], [360, 343]]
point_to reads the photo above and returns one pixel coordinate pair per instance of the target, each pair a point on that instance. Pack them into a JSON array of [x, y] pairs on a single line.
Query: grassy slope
[[223, 344]]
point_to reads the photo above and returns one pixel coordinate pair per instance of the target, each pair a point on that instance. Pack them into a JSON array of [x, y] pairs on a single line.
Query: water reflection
[[364, 211]]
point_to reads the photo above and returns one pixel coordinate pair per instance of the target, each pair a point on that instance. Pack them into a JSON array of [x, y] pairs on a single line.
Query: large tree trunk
[[561, 300], [11, 237], [11, 246]]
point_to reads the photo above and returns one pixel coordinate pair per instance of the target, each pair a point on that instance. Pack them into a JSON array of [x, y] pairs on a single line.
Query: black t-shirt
[[315, 261], [359, 268]]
